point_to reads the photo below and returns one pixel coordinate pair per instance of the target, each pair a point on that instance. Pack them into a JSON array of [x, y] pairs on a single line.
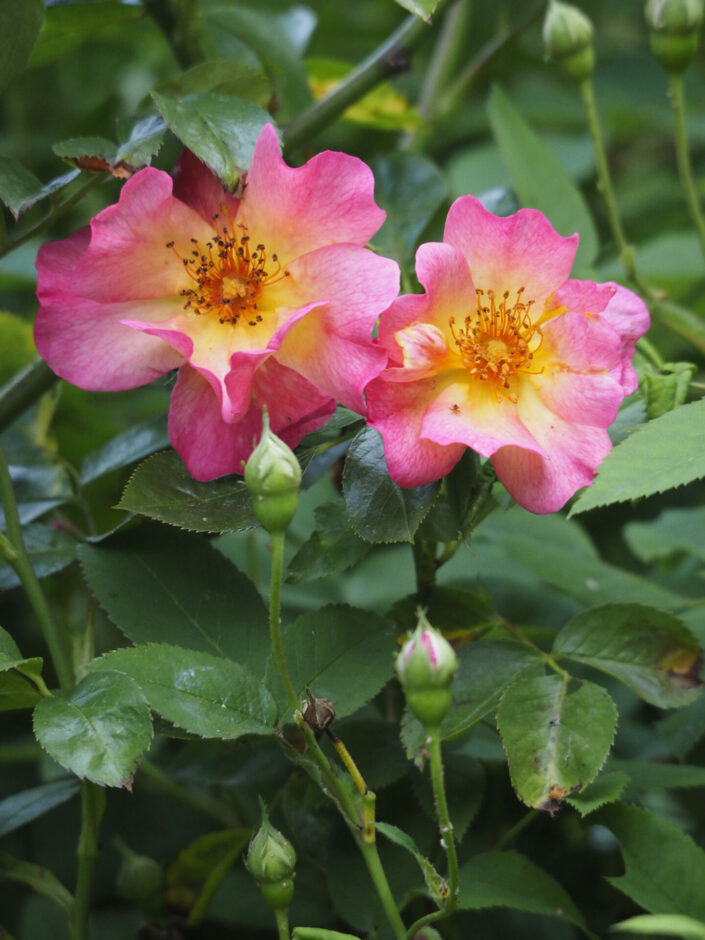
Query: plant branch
[[179, 27], [92, 809], [685, 169], [445, 824]]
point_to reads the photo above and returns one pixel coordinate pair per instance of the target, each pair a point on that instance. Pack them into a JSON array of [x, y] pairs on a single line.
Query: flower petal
[[571, 454], [627, 314], [200, 189], [505, 254], [296, 210], [396, 410]]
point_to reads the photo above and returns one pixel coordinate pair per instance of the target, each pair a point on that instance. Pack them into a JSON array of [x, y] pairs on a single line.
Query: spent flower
[[506, 355]]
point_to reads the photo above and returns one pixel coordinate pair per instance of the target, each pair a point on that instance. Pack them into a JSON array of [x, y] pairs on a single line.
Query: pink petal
[[210, 447], [405, 311], [424, 352], [296, 210], [505, 254], [396, 411], [575, 341], [443, 272], [627, 314], [200, 189], [571, 454]]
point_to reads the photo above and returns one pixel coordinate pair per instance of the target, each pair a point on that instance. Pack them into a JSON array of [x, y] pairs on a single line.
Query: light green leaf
[[665, 869], [673, 530], [649, 650], [320, 933], [144, 140], [379, 510], [39, 879], [437, 886], [670, 925], [538, 177], [557, 736], [69, 26], [21, 23], [220, 129], [97, 730], [507, 879], [223, 77], [663, 391], [342, 653], [211, 697], [160, 585], [660, 455], [162, 488], [421, 8], [606, 789], [22, 808], [194, 863], [332, 548]]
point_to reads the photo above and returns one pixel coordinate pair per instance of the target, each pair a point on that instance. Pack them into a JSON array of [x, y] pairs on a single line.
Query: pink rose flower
[[266, 299], [506, 355]]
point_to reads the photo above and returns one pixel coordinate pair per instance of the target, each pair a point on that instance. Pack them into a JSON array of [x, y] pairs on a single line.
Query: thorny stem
[[675, 88], [19, 560], [387, 59], [92, 808], [446, 826]]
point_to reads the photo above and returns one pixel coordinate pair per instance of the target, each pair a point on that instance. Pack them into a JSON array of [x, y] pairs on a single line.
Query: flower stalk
[[92, 809], [446, 826], [685, 169]]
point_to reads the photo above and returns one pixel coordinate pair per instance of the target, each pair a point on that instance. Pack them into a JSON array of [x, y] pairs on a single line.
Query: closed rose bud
[[273, 477], [425, 666], [674, 31], [567, 36], [271, 860], [140, 879]]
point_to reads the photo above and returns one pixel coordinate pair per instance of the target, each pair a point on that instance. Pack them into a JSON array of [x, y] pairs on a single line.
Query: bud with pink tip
[[425, 666]]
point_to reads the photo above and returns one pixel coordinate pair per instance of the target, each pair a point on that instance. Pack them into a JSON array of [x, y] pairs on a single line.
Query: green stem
[[30, 583], [282, 924], [275, 622], [23, 390], [156, 780], [422, 922], [675, 87], [626, 253], [547, 659], [424, 564], [180, 28], [387, 59], [54, 213], [384, 892], [92, 808], [445, 825], [511, 834]]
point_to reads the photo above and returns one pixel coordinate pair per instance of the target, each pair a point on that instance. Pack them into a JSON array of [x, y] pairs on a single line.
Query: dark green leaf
[[68, 26], [205, 695], [139, 441], [410, 187], [665, 870], [332, 548], [22, 808], [681, 730], [538, 177], [16, 691], [267, 38], [160, 585], [485, 669], [556, 737], [11, 658], [24, 197], [381, 511], [606, 789], [194, 863], [220, 129], [507, 879], [77, 147], [17, 185], [649, 650], [342, 653], [674, 530], [223, 77], [434, 882], [21, 23], [97, 730], [648, 775], [163, 489], [452, 610], [660, 455], [144, 140], [50, 550], [39, 879]]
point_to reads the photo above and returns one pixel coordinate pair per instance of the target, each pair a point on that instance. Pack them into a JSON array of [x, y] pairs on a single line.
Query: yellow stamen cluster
[[497, 340], [228, 277]]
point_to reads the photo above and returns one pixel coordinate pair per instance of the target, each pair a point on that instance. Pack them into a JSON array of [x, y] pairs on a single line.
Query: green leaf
[[485, 669], [342, 653], [68, 26], [507, 879], [452, 610], [16, 339], [670, 925], [163, 489], [17, 185], [320, 933], [606, 789], [97, 730], [381, 511], [539, 178], [681, 730], [332, 548], [208, 696], [11, 658], [16, 691], [421, 8], [49, 549], [76, 147], [139, 441], [22, 808], [668, 389], [410, 187], [144, 140], [223, 77], [267, 38], [21, 23], [660, 455], [673, 530], [437, 885], [220, 129], [159, 586], [665, 869], [648, 775], [194, 863], [649, 650], [557, 736], [39, 879]]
